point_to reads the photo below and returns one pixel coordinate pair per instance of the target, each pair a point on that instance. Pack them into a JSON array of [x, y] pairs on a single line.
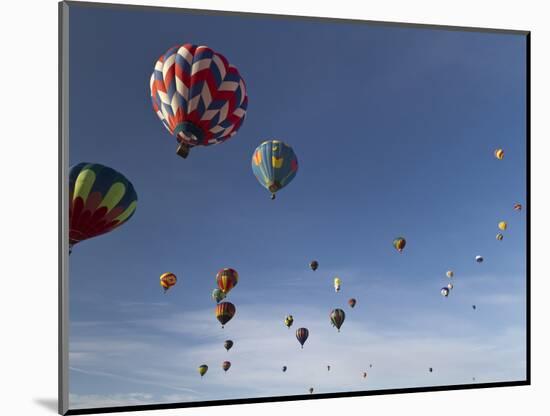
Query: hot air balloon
[[352, 302], [167, 280], [502, 225], [445, 291], [337, 284], [314, 265], [289, 320], [228, 344], [218, 295], [500, 237], [450, 286], [301, 335], [337, 317], [474, 307], [364, 374], [450, 274], [479, 259], [198, 95], [227, 279], [226, 365], [274, 164], [224, 312], [431, 369], [517, 207], [203, 369], [499, 154], [328, 367], [100, 200], [284, 368], [311, 390], [399, 243], [370, 365]]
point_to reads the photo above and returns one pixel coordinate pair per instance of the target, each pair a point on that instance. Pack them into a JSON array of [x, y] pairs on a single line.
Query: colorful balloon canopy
[[337, 284], [399, 243], [198, 95], [100, 200], [274, 164], [499, 154], [499, 237], [337, 317], [450, 274], [352, 302], [167, 280], [479, 259], [517, 207], [301, 335], [450, 286], [289, 320], [227, 279], [226, 365], [203, 369], [502, 225], [218, 295], [314, 265], [228, 344], [445, 291], [224, 312]]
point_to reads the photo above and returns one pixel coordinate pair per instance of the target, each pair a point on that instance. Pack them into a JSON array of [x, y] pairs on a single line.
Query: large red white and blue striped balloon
[[198, 95]]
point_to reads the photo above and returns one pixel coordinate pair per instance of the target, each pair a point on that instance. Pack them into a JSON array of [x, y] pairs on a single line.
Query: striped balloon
[[198, 95], [227, 279], [167, 280], [226, 365], [274, 164], [337, 317], [100, 200], [301, 335], [224, 312]]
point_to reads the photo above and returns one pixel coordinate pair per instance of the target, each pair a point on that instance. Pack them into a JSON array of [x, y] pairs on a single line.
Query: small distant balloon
[[227, 279], [168, 280], [289, 321], [352, 302], [499, 154], [301, 335], [399, 243], [370, 365], [502, 225], [314, 265], [431, 370], [450, 274], [284, 368], [228, 344], [203, 369], [474, 307], [479, 259], [226, 365], [337, 317], [364, 374], [218, 295], [328, 367], [517, 207], [500, 237], [310, 390], [450, 286], [445, 291], [224, 312], [337, 284]]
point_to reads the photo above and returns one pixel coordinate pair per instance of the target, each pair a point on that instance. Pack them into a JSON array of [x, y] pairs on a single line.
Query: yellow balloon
[[337, 283], [499, 154], [450, 274], [502, 225]]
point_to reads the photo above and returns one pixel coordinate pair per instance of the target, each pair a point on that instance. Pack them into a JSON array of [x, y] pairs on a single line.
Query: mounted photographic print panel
[[270, 208]]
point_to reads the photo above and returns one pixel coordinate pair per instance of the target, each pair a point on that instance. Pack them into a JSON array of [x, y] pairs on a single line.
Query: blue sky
[[394, 129]]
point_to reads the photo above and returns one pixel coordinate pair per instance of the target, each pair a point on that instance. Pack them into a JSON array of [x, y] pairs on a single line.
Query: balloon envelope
[[167, 280], [274, 164], [198, 95], [337, 317], [227, 279], [100, 200], [301, 335], [224, 312]]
